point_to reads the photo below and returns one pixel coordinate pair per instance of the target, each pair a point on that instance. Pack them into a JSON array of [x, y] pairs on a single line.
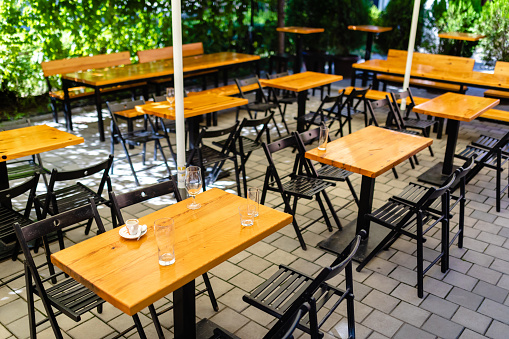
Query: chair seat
[[287, 100], [7, 218], [72, 298], [328, 172], [278, 293], [261, 107], [140, 137], [209, 156], [305, 187], [413, 192], [479, 154], [72, 197], [26, 170], [489, 142], [418, 123]]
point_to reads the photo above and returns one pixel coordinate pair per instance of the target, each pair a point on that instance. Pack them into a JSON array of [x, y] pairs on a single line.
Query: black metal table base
[[434, 175], [340, 240], [205, 329]]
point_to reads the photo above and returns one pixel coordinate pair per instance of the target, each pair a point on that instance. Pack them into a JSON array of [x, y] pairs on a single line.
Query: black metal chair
[[118, 202], [246, 145], [203, 155], [9, 216], [134, 137], [68, 296], [321, 115], [297, 186], [63, 199], [281, 96], [415, 221], [287, 290], [261, 104], [163, 127], [493, 158], [24, 168], [325, 172], [343, 112]]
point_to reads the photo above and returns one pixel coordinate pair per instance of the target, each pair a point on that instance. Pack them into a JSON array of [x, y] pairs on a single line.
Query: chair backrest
[[70, 65], [371, 106], [227, 146], [149, 55], [434, 193], [121, 107], [250, 81], [57, 176], [263, 122], [277, 75], [118, 202], [12, 192], [159, 98]]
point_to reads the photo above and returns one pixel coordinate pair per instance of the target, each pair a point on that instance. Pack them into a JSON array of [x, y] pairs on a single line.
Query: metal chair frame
[[347, 108]]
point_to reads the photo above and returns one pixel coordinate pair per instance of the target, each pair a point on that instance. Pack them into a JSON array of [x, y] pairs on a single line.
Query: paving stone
[[478, 258], [491, 291], [246, 281], [254, 264], [226, 270], [485, 274], [380, 301], [404, 275], [410, 314], [469, 334], [251, 331], [381, 266], [465, 298], [407, 293], [439, 306], [408, 331], [471, 320], [495, 310], [381, 282], [229, 320], [498, 330], [500, 266], [460, 280], [442, 327], [93, 328], [382, 323]]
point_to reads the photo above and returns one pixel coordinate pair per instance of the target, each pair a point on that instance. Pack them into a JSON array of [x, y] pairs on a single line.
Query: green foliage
[[334, 16], [398, 15], [494, 23]]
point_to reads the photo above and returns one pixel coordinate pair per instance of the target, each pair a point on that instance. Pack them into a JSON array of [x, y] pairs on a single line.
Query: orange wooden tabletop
[[456, 106], [107, 76], [127, 274], [194, 105], [461, 36], [369, 28], [17, 143], [299, 30], [370, 151], [301, 81]]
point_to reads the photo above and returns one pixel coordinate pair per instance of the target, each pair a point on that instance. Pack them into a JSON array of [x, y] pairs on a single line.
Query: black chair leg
[[212, 296], [332, 210], [289, 210], [158, 145], [32, 323], [130, 164], [156, 322], [89, 225], [139, 327], [377, 249]]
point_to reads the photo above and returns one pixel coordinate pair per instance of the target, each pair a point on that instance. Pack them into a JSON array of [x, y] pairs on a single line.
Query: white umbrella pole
[[411, 45], [178, 79]]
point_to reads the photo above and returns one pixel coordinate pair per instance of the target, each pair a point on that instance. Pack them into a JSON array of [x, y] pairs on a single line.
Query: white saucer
[[124, 234]]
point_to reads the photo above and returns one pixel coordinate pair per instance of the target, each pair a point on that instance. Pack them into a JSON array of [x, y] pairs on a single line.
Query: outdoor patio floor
[[469, 301]]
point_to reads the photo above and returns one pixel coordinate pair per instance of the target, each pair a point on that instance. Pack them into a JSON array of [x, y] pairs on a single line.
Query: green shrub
[[494, 24]]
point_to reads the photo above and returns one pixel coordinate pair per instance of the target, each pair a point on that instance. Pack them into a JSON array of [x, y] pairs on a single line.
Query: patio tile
[[439, 306], [230, 320], [408, 331], [471, 320], [460, 280], [495, 310], [491, 291], [498, 330], [382, 323], [465, 298], [410, 314], [442, 327], [251, 330], [381, 282], [380, 301], [92, 328], [246, 281]]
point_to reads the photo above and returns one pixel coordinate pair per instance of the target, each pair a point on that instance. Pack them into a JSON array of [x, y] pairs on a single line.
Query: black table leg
[[367, 56], [4, 177], [340, 240], [67, 105], [184, 312], [99, 108], [298, 64], [301, 109], [193, 124], [437, 174]]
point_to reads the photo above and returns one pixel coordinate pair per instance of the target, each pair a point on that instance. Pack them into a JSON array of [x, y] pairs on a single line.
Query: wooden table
[[299, 31], [454, 107], [194, 107], [371, 30], [300, 83], [21, 142], [370, 152], [462, 37], [127, 274], [132, 73]]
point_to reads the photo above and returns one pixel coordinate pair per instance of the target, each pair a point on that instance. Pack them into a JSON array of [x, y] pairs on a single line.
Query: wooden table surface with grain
[[194, 105], [461, 36], [127, 274], [456, 106], [370, 151], [369, 28], [300, 30], [17, 143], [301, 81], [132, 72]]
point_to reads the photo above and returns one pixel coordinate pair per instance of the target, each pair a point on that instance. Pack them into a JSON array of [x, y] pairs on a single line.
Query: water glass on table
[[246, 213], [253, 198], [164, 230], [170, 96], [193, 185], [324, 137]]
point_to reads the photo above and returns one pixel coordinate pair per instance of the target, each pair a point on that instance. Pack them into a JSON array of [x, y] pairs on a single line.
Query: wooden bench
[[379, 95], [188, 50], [501, 68], [229, 90], [496, 114], [445, 63], [63, 66]]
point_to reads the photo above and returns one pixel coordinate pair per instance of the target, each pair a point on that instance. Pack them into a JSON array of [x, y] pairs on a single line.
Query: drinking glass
[[164, 230], [193, 185], [324, 137], [170, 96], [253, 198], [246, 213]]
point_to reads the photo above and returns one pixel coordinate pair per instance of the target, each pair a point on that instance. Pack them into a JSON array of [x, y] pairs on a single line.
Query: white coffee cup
[[132, 226]]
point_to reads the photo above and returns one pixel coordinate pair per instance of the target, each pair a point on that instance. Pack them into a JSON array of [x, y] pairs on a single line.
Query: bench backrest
[[149, 55], [447, 63], [502, 68], [84, 63]]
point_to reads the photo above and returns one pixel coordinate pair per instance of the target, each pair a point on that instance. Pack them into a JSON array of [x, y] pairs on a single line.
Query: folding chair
[[343, 112], [321, 115]]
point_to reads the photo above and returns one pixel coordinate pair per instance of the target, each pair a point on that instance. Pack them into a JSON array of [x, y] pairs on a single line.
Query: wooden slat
[[461, 36], [158, 68], [227, 90], [420, 82], [127, 274], [149, 55], [456, 106], [371, 94], [370, 28], [370, 151], [21, 142], [82, 91], [85, 63], [496, 114], [301, 81], [300, 30]]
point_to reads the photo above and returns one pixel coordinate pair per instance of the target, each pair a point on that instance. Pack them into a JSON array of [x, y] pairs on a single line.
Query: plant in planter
[[494, 24]]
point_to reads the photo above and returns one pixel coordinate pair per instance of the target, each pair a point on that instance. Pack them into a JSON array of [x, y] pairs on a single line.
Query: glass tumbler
[[164, 230], [253, 198]]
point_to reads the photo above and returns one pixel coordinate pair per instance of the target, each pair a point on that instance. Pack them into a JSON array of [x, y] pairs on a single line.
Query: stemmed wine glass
[[170, 96], [193, 185]]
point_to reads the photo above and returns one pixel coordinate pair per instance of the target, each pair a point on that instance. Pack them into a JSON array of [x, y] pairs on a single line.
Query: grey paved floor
[[469, 301]]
